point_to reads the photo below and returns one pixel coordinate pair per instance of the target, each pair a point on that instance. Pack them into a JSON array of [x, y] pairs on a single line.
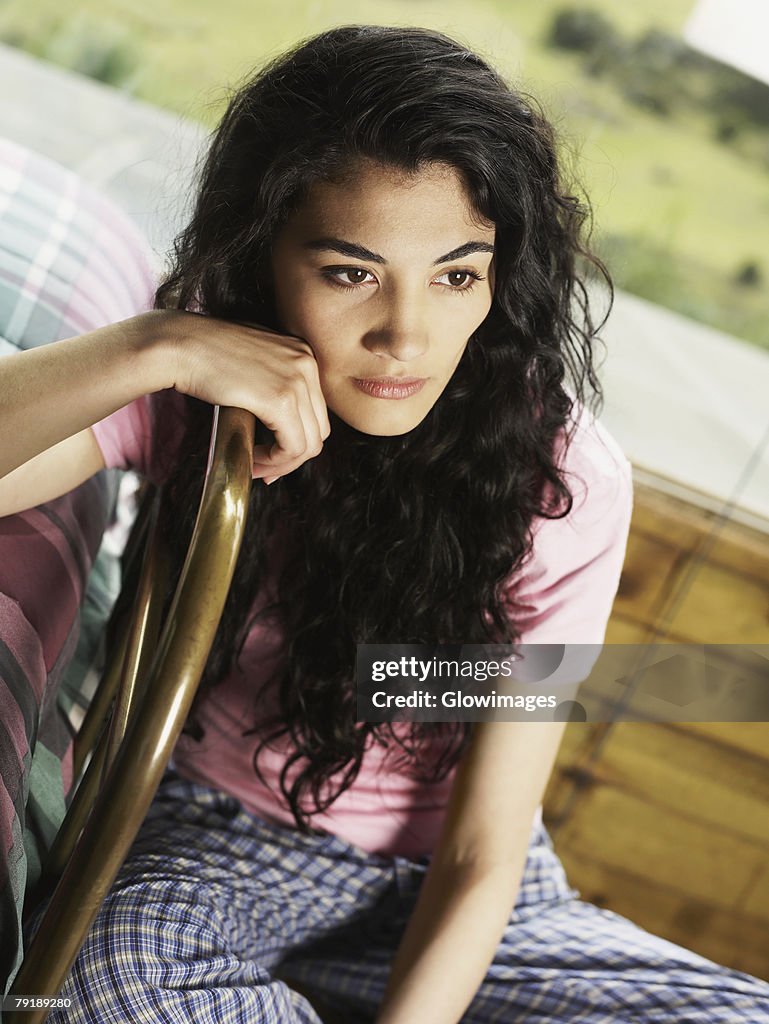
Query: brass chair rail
[[141, 759], [142, 641], [117, 631]]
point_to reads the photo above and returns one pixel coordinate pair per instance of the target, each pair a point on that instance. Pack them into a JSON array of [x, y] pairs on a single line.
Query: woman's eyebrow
[[360, 252]]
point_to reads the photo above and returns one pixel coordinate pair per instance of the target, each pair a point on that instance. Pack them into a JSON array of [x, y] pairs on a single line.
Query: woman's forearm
[[55, 391], [449, 942]]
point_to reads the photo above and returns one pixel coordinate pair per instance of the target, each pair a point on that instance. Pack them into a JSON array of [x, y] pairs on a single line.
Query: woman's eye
[[347, 277], [460, 280], [353, 277]]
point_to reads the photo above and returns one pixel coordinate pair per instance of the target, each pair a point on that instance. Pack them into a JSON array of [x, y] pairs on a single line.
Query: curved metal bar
[[142, 634], [126, 676], [139, 765], [77, 812], [119, 625], [97, 717]]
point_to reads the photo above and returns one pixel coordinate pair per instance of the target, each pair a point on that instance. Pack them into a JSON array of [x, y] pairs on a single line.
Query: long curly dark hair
[[452, 502]]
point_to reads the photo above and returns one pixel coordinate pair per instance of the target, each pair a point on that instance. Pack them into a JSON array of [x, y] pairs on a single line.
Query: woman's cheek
[[302, 306]]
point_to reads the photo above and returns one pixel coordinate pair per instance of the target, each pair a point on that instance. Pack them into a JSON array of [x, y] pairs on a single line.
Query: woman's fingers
[[284, 419], [298, 437], [318, 401], [274, 376]]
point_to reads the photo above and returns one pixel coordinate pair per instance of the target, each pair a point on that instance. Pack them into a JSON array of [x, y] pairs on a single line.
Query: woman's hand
[[274, 376]]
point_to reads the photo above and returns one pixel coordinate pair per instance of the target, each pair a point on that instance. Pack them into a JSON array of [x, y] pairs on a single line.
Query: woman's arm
[[51, 473], [473, 879], [449, 943], [53, 392], [50, 396], [472, 882]]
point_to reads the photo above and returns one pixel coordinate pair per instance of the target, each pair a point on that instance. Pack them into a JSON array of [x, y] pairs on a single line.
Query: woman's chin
[[385, 424]]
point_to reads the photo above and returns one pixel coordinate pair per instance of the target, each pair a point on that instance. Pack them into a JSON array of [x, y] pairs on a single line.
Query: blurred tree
[[581, 29], [102, 49], [749, 274], [662, 73]]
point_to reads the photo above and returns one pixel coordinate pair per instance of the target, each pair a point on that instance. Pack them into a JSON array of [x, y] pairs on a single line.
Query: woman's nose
[[401, 331]]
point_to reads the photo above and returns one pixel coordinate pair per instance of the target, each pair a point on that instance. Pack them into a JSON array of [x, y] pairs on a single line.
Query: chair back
[[159, 677]]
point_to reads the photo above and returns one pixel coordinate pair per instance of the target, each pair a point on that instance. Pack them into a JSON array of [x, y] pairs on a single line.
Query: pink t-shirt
[[567, 587]]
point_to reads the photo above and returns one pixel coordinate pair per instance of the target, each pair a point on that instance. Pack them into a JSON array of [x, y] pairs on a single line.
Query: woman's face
[[386, 275]]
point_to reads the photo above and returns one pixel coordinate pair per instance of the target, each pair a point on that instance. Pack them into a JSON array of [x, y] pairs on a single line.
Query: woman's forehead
[[381, 207]]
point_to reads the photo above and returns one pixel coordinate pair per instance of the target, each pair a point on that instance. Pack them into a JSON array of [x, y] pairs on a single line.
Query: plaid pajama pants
[[214, 907]]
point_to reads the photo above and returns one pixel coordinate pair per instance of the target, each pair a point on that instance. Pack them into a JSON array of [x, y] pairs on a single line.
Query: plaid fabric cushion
[[70, 261]]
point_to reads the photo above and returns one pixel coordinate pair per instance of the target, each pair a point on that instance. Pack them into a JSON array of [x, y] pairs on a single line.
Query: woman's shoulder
[[564, 591], [588, 447], [594, 468]]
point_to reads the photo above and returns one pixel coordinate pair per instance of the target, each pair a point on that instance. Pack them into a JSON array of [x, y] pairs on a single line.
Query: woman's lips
[[390, 387]]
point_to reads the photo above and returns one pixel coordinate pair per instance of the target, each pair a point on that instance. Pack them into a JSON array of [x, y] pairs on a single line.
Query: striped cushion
[[46, 555], [70, 261]]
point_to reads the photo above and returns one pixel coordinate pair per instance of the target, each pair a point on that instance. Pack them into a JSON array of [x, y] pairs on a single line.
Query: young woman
[[382, 265]]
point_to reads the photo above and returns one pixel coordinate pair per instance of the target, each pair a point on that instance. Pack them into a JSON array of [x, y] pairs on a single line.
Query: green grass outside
[[676, 212]]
